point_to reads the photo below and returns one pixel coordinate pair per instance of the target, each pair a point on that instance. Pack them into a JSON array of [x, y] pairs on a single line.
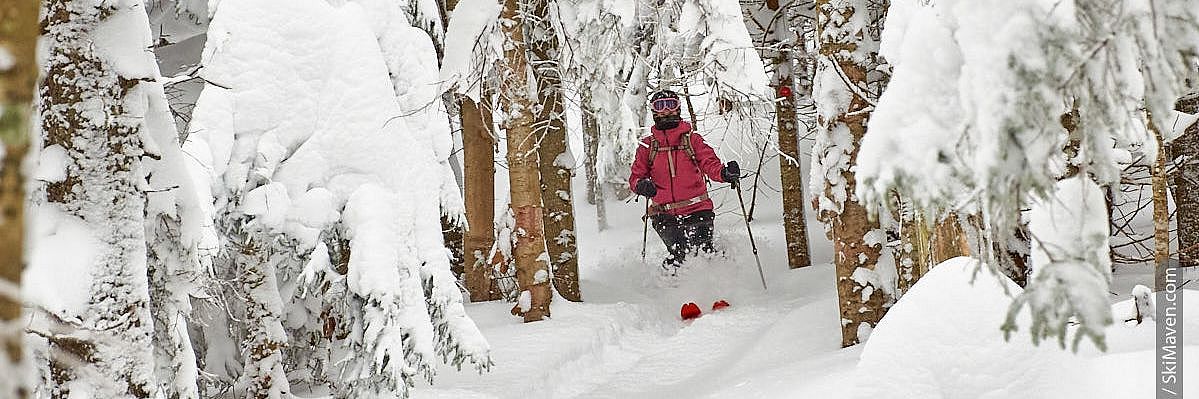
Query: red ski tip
[[721, 304], [690, 311]]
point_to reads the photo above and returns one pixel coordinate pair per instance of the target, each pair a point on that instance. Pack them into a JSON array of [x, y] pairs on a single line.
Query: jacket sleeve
[[640, 169], [709, 163]]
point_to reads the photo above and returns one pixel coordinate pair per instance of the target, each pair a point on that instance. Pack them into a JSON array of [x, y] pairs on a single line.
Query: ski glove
[[645, 187], [731, 173]]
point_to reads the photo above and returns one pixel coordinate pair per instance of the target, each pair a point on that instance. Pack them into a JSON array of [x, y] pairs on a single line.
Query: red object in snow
[[785, 91], [721, 304], [690, 311]]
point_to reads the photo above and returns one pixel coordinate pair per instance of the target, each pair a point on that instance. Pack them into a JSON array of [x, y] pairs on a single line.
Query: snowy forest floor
[[627, 341]]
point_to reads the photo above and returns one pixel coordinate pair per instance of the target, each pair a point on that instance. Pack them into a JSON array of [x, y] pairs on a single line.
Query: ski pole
[[752, 244], [644, 228]]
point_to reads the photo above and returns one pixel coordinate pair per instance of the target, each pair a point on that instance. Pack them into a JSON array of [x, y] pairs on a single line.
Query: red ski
[[691, 311], [721, 304]]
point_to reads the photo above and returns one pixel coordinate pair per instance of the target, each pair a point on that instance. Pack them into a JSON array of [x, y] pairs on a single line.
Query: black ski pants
[[684, 234]]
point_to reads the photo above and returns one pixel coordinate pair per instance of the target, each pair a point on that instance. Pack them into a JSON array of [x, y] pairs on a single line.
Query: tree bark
[[478, 188], [771, 26], [842, 40], [532, 261], [948, 241], [18, 37], [1185, 151], [591, 139], [478, 153], [794, 222], [555, 161], [102, 138], [911, 260], [1161, 213]]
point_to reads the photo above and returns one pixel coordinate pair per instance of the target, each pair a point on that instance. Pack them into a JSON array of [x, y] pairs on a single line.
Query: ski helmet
[[665, 106], [664, 101]]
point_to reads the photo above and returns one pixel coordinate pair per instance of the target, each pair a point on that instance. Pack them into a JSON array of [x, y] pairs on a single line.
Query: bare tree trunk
[[591, 152], [948, 241], [842, 29], [923, 246], [532, 261], [479, 148], [102, 138], [911, 260], [556, 162], [478, 153], [18, 38], [771, 24], [1161, 214], [478, 188], [591, 138], [1186, 186], [791, 176]]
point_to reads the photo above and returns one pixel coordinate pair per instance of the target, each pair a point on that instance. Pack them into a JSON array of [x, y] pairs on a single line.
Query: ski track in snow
[[693, 360], [627, 340]]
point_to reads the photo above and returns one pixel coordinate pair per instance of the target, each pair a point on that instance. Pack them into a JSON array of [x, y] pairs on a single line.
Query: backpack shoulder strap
[[687, 147], [653, 150], [691, 153]]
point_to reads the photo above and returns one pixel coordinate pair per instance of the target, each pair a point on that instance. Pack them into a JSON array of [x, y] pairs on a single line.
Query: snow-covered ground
[[627, 341]]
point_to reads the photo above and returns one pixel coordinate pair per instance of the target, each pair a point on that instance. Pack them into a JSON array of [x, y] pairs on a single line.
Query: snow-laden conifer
[[328, 185], [972, 118]]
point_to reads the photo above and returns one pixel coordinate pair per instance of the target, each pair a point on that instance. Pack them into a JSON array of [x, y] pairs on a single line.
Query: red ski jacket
[[688, 180]]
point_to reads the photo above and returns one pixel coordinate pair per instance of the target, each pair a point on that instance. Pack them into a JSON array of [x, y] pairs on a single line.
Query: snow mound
[[942, 340]]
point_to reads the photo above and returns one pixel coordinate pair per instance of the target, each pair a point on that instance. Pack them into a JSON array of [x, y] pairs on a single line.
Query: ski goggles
[[665, 105]]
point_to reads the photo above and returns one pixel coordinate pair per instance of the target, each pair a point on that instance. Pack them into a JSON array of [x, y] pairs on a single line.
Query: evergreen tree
[[330, 212], [1000, 150]]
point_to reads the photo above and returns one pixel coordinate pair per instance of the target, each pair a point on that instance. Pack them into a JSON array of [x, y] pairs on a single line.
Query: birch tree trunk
[[1185, 151], [18, 38], [555, 161], [478, 154], [846, 55], [532, 261]]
